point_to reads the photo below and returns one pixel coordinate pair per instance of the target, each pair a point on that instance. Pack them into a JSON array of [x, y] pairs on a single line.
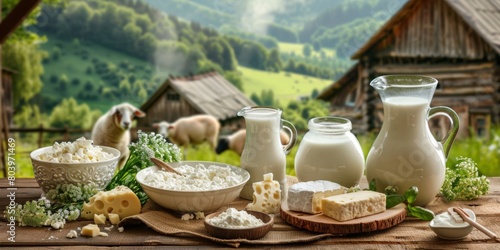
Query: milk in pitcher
[[409, 155]]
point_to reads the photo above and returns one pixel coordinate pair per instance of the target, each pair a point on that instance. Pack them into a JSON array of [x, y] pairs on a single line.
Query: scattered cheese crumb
[[109, 228], [72, 234], [199, 215], [103, 234], [57, 225], [187, 217], [120, 229]]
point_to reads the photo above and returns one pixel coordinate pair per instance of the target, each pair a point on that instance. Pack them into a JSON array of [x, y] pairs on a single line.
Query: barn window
[[480, 126], [350, 100], [172, 96]]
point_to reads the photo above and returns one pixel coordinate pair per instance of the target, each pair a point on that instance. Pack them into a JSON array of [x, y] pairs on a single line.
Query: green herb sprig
[[147, 146], [409, 197]]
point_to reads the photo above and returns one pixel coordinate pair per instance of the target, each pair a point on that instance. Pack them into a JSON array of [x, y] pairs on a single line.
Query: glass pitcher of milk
[[405, 152], [263, 152]]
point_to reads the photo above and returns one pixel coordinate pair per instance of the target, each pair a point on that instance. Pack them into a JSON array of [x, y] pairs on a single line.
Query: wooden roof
[[482, 16], [209, 93], [349, 77]]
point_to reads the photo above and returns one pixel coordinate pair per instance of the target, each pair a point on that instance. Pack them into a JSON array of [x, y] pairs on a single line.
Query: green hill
[[75, 58], [78, 61]]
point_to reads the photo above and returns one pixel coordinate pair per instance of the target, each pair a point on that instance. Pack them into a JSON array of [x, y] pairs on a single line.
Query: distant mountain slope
[[346, 27]]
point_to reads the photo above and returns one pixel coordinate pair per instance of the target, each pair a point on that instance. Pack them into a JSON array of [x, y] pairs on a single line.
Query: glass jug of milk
[[405, 152], [329, 151], [263, 152]]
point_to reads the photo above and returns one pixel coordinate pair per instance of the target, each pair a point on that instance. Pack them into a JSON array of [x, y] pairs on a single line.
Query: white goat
[[112, 129], [236, 141], [191, 130]]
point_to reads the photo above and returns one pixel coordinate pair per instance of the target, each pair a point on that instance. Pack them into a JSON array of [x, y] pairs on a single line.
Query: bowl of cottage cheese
[[76, 162], [200, 186]]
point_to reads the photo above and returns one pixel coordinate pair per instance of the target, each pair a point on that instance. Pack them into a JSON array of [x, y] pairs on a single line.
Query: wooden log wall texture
[[434, 29]]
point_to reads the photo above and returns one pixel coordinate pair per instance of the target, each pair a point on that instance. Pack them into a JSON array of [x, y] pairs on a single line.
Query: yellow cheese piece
[[266, 196], [121, 200], [99, 219], [114, 218], [91, 230], [349, 206]]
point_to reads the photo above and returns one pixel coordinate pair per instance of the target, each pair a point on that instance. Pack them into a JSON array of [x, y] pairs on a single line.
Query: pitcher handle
[[452, 132], [293, 135]]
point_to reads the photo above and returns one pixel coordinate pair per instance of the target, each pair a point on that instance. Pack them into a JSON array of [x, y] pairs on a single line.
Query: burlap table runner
[[169, 223]]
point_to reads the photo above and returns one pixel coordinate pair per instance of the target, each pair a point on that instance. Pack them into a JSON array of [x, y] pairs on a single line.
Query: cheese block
[[306, 196], [91, 230], [114, 218], [121, 200], [266, 195], [344, 207], [99, 219]]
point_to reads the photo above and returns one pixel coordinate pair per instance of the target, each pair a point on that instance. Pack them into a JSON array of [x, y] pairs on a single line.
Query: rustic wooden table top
[[411, 233]]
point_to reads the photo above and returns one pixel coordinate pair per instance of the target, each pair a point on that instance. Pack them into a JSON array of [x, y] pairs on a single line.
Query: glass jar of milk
[[329, 151]]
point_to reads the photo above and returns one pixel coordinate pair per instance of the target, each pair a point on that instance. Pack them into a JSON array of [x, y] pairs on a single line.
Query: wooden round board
[[322, 224]]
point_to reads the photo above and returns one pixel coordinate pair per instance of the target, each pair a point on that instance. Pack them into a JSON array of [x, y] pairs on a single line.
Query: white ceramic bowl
[[192, 201], [50, 174], [453, 232]]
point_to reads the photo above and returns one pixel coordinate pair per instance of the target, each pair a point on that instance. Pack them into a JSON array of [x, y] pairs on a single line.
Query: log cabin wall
[[433, 40]]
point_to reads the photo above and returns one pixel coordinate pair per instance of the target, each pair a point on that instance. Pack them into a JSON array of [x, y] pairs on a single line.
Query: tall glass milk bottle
[[405, 152], [263, 152]]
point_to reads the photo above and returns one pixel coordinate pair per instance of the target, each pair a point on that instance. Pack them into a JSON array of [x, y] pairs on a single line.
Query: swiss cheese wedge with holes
[[121, 200], [266, 196]]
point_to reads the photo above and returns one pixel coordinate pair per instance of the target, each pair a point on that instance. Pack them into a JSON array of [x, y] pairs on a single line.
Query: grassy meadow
[[286, 86]]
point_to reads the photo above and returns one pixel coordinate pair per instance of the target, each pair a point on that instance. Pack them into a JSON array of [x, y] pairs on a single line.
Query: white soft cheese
[[79, 151], [349, 206], [194, 178], [232, 218], [306, 196]]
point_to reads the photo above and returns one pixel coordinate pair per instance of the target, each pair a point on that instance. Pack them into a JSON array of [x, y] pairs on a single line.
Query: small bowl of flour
[[234, 224]]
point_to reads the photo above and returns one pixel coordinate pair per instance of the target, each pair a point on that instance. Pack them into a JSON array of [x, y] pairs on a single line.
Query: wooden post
[[40, 136]]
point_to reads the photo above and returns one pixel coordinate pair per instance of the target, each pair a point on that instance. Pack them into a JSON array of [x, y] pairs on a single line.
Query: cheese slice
[[266, 195], [306, 196], [121, 200], [91, 230], [349, 206]]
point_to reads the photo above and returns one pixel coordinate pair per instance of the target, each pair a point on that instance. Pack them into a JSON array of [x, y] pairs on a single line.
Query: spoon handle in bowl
[[474, 224]]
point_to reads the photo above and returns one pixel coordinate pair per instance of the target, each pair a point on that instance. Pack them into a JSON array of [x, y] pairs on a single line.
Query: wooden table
[[411, 233]]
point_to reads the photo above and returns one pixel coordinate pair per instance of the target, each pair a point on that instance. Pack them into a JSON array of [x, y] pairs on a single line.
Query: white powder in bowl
[[232, 218], [79, 151], [194, 178]]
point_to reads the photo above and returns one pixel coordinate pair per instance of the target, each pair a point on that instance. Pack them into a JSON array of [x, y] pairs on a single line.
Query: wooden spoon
[[466, 218], [164, 165]]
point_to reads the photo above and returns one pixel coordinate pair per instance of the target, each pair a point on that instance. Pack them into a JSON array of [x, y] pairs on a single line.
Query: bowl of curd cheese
[[201, 186]]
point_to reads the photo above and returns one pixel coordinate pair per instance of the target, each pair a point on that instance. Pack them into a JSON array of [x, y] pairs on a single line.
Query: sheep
[[191, 130], [236, 141], [112, 129]]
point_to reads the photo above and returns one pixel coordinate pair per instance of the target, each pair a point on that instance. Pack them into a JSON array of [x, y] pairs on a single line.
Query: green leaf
[[372, 186], [393, 200], [420, 212], [411, 194]]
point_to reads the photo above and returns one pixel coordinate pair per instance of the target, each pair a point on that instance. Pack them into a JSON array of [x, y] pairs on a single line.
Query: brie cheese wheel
[[349, 206], [306, 196]]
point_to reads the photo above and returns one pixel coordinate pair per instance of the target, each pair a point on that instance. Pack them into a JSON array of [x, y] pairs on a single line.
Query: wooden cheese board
[[322, 224]]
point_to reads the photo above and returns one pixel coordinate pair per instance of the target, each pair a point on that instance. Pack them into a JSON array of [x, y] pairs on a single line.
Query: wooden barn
[[455, 41], [208, 93]]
